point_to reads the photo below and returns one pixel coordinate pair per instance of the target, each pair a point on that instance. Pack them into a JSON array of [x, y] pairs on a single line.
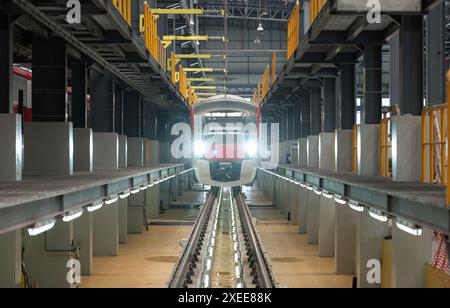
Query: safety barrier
[[265, 81], [183, 83], [124, 8], [151, 39], [385, 146], [274, 67], [434, 141], [355, 149], [314, 9], [293, 31]]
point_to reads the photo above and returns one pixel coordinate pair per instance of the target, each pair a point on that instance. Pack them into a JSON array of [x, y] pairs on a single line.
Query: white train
[[225, 141]]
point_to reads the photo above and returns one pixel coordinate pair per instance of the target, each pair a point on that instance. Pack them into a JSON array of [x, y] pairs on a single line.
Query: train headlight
[[199, 149], [251, 149]]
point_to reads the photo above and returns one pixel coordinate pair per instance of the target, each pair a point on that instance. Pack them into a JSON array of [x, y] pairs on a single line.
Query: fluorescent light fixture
[[95, 206], [125, 194], [378, 215], [206, 281], [238, 271], [240, 285], [208, 264], [340, 200], [303, 185], [310, 188], [135, 190], [236, 257], [355, 206], [317, 191], [327, 195], [41, 227], [72, 215], [211, 251], [409, 228], [143, 187], [111, 199]]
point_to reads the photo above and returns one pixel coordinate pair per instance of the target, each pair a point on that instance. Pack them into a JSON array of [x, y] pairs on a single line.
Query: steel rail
[[179, 275], [265, 277]]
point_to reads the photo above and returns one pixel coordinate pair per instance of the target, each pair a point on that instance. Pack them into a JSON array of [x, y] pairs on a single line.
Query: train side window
[[20, 99]]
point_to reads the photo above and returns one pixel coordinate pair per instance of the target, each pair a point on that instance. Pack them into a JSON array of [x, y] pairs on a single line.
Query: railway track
[[223, 250]]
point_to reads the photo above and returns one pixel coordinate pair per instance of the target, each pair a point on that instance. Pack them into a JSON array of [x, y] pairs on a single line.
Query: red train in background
[[22, 80]]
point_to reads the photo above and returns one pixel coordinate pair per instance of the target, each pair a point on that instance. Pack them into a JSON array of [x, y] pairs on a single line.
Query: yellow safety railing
[[124, 7], [274, 67], [293, 31], [183, 83], [151, 39], [434, 143], [265, 82], [355, 149], [385, 146], [258, 94], [314, 9]]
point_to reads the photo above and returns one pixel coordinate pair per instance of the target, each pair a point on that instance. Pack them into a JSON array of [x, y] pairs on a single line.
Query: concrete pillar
[[373, 84], [39, 145], [409, 256], [11, 149], [164, 189], [326, 227], [152, 203], [46, 255], [49, 80], [326, 151], [11, 259], [106, 230], [83, 238], [370, 234], [83, 150], [294, 203], [303, 152], [135, 213], [6, 63], [343, 161], [106, 151], [345, 234], [135, 157], [368, 141], [123, 220], [102, 102], [313, 217], [303, 210], [406, 148], [313, 152], [123, 151]]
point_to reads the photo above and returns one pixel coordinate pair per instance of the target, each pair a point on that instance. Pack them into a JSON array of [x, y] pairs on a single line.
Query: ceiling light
[[41, 227], [378, 215], [409, 228], [260, 28], [257, 41], [340, 200], [317, 191], [327, 195], [72, 215], [135, 190], [95, 206], [125, 194], [355, 206], [192, 22], [111, 199]]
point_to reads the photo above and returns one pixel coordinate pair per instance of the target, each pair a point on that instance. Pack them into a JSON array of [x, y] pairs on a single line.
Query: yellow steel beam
[[178, 11], [205, 93], [201, 79], [193, 56], [185, 38], [198, 69], [204, 87]]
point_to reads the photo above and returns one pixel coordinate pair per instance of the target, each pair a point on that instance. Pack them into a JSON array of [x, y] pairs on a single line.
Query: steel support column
[[132, 114], [329, 105], [305, 115], [373, 84], [149, 122], [290, 122], [6, 62], [316, 110], [436, 55], [119, 110], [297, 118], [346, 112], [79, 95], [102, 102], [394, 82], [49, 80], [411, 65]]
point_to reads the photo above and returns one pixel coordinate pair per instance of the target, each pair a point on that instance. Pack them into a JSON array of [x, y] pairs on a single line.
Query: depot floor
[[148, 259]]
